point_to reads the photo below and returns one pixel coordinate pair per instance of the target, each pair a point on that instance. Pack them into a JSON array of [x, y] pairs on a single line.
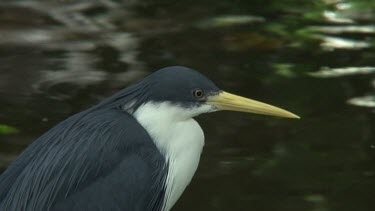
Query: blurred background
[[314, 58]]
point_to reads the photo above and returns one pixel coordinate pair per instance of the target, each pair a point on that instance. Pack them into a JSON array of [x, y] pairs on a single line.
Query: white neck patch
[[179, 138]]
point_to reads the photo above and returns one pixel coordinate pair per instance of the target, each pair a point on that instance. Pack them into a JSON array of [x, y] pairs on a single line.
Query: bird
[[136, 150]]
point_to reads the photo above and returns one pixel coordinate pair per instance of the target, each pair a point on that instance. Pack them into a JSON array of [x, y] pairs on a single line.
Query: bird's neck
[[179, 139]]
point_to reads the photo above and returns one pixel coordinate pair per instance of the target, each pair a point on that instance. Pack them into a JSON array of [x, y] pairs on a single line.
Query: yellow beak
[[227, 101]]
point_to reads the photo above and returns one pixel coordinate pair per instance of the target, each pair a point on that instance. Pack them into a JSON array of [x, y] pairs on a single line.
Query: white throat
[[179, 138]]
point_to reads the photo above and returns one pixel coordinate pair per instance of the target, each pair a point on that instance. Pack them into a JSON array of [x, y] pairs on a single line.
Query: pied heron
[[135, 151]]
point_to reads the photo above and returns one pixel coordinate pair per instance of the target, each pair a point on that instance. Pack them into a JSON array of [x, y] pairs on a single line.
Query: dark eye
[[198, 93]]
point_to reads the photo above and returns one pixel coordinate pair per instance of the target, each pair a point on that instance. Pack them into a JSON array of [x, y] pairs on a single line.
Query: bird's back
[[99, 159]]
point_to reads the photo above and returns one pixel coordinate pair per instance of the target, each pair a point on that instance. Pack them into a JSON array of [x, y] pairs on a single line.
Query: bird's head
[[187, 93]]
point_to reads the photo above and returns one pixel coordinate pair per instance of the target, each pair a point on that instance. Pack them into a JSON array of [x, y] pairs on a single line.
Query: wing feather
[[95, 160]]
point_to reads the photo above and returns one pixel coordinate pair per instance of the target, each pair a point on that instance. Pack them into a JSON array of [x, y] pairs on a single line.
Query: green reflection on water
[[6, 129]]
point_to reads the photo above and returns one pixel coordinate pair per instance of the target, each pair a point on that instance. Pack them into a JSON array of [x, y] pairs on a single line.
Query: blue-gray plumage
[[87, 162], [136, 150]]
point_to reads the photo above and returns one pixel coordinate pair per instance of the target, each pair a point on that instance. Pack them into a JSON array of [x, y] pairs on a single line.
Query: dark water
[[315, 58]]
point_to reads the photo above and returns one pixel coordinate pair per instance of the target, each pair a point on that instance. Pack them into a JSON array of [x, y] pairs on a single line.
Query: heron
[[136, 150]]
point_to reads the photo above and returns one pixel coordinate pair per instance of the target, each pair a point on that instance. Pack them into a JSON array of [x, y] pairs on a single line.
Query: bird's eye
[[198, 93]]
